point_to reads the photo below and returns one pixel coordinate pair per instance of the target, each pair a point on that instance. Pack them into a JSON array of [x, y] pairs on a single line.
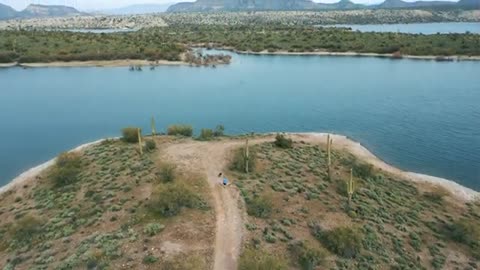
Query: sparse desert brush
[[308, 255], [219, 131], [260, 206], [66, 169], [206, 134], [180, 130], [168, 199], [254, 259], [283, 142], [343, 241], [167, 172], [152, 229], [25, 230], [360, 169], [239, 160], [180, 262], [150, 145], [467, 232], [130, 134], [437, 194]]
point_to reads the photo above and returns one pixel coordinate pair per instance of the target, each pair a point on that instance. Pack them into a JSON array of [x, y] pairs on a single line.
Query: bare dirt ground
[[211, 157]]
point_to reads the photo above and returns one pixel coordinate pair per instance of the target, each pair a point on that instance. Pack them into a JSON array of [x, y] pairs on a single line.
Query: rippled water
[[417, 28], [422, 116]]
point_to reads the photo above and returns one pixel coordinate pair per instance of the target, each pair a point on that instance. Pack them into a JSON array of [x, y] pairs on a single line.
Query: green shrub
[[206, 134], [26, 229], [466, 232], [182, 130], [152, 229], [168, 199], [219, 131], [167, 172], [363, 170], [252, 259], [283, 142], [260, 206], [150, 145], [150, 259], [66, 169], [307, 255], [130, 134], [238, 161], [343, 241]]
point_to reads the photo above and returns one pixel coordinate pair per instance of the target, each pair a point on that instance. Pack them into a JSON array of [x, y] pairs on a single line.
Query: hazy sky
[[101, 4]]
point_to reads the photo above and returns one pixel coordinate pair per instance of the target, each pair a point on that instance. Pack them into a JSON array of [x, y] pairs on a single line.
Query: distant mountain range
[[37, 11], [137, 9], [234, 5]]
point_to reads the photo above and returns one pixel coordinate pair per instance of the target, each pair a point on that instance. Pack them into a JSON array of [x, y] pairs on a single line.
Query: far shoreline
[[143, 63], [457, 191]]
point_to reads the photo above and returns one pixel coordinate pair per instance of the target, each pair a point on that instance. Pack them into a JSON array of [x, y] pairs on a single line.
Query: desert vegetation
[[106, 207], [297, 212], [172, 43]]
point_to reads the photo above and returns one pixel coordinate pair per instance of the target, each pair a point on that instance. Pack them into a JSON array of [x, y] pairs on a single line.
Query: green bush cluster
[[130, 134], [180, 130], [252, 259], [207, 134], [308, 256], [466, 232], [66, 170], [283, 142], [259, 206], [167, 172], [152, 229], [25, 230], [239, 160], [343, 241], [150, 145], [168, 199]]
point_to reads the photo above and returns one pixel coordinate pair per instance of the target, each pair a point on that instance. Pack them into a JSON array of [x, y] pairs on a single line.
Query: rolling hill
[[236, 5], [37, 11]]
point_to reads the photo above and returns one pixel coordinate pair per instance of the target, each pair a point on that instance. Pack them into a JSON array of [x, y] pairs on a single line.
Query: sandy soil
[[211, 157]]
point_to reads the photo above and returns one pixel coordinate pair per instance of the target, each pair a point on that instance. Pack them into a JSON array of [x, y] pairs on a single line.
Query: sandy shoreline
[[129, 62], [458, 191], [30, 174], [105, 63], [356, 54], [339, 141]]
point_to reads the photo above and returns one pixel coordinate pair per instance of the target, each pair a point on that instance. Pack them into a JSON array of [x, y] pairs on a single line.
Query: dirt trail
[[212, 157]]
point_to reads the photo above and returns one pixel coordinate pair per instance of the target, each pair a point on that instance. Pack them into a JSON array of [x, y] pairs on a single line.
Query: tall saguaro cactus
[[154, 130], [247, 156], [350, 187], [139, 132], [329, 156]]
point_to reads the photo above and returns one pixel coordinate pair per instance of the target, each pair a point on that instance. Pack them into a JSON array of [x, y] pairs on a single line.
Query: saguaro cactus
[[154, 131], [139, 132], [247, 156], [350, 187], [329, 156]]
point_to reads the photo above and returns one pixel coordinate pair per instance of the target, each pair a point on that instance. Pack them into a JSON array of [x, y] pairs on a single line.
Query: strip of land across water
[[172, 43], [426, 182]]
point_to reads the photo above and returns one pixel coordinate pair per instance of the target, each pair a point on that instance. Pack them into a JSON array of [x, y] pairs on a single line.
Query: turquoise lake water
[[417, 28], [422, 116]]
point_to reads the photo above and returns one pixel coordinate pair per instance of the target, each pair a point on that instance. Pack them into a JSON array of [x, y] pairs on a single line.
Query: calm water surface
[[417, 28], [422, 116]]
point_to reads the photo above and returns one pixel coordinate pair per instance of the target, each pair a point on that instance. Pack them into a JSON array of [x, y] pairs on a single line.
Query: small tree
[[130, 134], [283, 142], [219, 131]]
